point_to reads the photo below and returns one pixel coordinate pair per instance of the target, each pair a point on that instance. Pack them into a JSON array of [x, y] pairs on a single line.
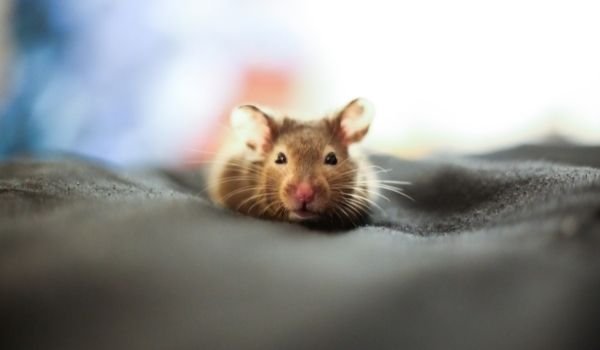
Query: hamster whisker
[[205, 189], [243, 170], [350, 187], [281, 212], [347, 174], [253, 197], [345, 213], [357, 204], [395, 190], [363, 198], [344, 174], [354, 196], [377, 167], [381, 169], [386, 182], [228, 163], [268, 207], [354, 171], [386, 186], [375, 193], [335, 212], [252, 206], [236, 178], [257, 202], [353, 210], [251, 168], [378, 183], [356, 210], [227, 180], [238, 191]]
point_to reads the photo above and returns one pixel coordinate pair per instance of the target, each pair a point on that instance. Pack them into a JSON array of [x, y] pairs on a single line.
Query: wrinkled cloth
[[496, 251]]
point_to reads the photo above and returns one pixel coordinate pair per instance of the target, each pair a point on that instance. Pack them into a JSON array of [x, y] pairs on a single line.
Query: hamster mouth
[[302, 213]]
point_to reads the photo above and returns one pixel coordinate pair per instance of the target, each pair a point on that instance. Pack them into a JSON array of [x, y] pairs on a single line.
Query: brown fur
[[262, 188]]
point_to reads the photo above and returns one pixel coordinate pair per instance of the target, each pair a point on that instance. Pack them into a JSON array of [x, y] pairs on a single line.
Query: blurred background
[[152, 81]]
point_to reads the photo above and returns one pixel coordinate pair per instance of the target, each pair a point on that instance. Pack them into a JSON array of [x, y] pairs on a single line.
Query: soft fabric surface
[[499, 251]]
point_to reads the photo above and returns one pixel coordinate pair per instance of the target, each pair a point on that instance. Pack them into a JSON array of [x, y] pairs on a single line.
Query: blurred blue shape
[[40, 44], [129, 81]]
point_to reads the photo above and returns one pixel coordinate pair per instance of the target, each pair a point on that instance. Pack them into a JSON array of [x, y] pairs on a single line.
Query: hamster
[[280, 168]]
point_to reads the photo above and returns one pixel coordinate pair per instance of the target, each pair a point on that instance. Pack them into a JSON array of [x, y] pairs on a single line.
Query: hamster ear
[[254, 127], [352, 122]]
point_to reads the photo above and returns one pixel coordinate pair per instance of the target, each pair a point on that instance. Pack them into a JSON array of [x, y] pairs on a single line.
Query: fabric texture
[[498, 251]]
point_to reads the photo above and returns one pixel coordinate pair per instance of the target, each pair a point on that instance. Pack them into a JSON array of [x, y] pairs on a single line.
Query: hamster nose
[[304, 193]]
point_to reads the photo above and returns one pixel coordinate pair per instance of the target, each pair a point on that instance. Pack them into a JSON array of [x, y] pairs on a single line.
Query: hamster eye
[[281, 159], [330, 159]]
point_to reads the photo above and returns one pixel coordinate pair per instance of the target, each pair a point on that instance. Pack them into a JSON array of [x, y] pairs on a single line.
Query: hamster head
[[305, 169]]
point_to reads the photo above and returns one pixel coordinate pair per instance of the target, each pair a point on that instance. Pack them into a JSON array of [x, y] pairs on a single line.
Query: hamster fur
[[277, 167]]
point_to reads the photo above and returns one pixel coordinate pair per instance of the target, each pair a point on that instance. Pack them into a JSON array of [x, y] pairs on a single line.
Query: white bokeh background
[[140, 81], [463, 76]]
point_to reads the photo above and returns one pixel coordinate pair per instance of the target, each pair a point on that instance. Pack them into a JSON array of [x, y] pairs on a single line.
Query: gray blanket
[[499, 251]]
